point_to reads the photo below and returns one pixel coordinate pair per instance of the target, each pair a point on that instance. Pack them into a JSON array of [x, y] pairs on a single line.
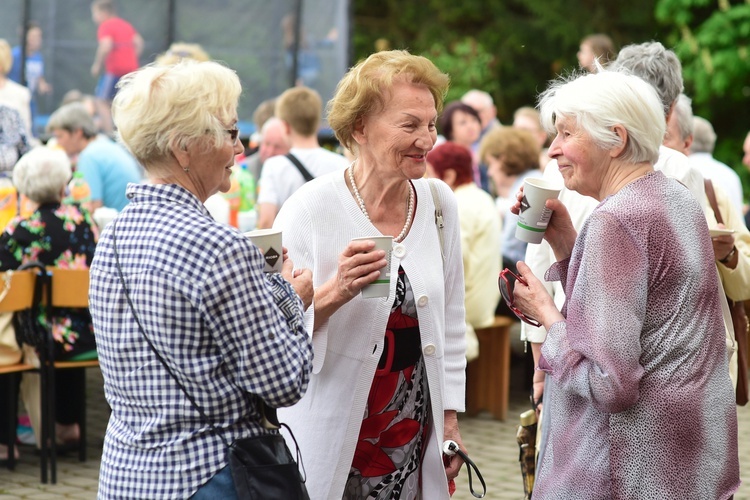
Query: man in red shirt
[[119, 48]]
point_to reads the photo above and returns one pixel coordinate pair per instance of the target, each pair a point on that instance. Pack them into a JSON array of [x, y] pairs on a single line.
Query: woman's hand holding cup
[[359, 265]]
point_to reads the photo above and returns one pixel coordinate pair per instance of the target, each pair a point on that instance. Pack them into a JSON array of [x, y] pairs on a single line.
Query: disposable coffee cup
[[103, 216], [381, 286], [268, 242], [534, 216]]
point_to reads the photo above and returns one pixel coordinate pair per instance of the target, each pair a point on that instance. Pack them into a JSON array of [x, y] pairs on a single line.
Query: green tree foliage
[[713, 43], [510, 48]]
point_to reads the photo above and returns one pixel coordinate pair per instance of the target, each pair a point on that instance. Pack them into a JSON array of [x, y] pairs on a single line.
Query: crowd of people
[[625, 303]]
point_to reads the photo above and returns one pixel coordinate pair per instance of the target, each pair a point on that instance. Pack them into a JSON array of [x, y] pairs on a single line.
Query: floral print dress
[[61, 235], [396, 425]]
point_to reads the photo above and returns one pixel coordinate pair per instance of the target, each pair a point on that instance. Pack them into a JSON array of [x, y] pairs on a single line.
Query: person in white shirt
[[701, 158], [300, 108]]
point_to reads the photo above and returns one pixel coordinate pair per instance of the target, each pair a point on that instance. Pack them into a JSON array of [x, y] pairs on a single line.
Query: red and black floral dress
[[387, 460]]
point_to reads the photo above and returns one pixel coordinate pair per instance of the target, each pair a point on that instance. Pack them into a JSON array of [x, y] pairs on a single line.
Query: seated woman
[[61, 235]]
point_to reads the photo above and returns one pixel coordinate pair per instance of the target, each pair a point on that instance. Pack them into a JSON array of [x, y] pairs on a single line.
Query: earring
[[186, 169]]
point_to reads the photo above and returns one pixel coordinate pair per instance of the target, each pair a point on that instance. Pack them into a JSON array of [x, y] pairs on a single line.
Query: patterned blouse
[[638, 394], [13, 140], [396, 424], [60, 235]]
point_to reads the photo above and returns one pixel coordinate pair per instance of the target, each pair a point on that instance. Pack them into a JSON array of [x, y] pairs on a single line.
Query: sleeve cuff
[[287, 299]]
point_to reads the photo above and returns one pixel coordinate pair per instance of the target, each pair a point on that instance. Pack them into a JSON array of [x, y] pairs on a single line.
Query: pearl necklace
[[361, 202]]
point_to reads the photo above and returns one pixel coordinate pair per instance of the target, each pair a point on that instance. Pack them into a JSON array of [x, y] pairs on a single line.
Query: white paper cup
[[534, 215], [381, 286], [103, 216], [269, 243]]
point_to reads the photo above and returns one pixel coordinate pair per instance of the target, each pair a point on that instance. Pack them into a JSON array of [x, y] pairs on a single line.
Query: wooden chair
[[68, 288], [16, 295], [488, 376], [55, 288]]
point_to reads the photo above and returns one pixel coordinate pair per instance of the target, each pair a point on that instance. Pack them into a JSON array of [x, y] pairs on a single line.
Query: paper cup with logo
[[269, 243], [381, 286], [534, 216]]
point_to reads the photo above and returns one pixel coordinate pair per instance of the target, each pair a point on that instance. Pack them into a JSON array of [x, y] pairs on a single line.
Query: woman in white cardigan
[[388, 373]]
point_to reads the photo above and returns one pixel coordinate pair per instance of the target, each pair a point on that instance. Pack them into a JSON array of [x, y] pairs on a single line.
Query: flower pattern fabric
[[396, 423], [61, 235]]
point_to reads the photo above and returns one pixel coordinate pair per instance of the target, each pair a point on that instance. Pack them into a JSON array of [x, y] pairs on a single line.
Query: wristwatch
[[729, 256]]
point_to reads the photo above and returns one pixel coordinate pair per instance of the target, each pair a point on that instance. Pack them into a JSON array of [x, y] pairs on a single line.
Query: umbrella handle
[[451, 448]]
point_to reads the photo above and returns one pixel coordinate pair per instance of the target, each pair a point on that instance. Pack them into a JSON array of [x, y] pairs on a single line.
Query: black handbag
[[262, 466]]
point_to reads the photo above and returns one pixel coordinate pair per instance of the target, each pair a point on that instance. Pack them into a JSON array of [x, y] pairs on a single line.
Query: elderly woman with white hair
[[62, 235], [231, 333], [639, 400]]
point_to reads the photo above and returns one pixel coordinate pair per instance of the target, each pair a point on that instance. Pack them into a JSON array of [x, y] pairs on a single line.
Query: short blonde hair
[[181, 50], [516, 148], [6, 57], [301, 108], [41, 174], [361, 91], [161, 108]]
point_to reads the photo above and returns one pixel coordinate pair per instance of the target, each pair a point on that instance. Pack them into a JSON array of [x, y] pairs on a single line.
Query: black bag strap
[[267, 413], [302, 170]]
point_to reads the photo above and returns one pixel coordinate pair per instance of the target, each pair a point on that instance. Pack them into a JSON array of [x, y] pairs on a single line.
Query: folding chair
[[70, 288], [56, 288], [16, 295]]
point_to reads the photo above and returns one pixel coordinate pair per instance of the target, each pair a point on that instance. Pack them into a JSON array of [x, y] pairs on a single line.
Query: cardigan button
[[422, 301], [399, 250], [429, 350]]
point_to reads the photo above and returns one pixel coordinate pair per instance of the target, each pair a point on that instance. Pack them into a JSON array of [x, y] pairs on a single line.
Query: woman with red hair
[[480, 228]]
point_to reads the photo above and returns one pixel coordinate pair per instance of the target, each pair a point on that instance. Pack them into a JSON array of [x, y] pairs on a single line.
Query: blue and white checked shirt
[[226, 330]]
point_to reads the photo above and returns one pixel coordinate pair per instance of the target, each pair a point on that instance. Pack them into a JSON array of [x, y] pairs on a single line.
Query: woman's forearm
[[326, 302]]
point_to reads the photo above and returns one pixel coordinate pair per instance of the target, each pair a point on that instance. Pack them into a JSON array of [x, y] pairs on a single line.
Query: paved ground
[[491, 444]]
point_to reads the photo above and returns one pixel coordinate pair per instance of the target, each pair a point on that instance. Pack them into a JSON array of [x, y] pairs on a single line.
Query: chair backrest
[[16, 290], [70, 287]]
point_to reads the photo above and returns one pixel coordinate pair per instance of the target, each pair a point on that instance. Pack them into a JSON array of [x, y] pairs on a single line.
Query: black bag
[[26, 323], [263, 467]]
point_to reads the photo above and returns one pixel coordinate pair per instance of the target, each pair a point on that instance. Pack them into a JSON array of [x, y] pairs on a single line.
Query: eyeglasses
[[234, 134], [506, 290]]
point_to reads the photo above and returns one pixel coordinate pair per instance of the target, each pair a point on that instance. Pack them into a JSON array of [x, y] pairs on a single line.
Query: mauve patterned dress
[[639, 400]]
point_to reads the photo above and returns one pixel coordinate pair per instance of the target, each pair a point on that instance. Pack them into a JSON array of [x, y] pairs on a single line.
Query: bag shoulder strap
[[302, 170], [438, 216], [150, 344], [726, 312], [711, 194]]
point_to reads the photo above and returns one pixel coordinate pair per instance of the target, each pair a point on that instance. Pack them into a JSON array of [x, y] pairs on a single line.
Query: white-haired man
[[701, 158], [483, 104]]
